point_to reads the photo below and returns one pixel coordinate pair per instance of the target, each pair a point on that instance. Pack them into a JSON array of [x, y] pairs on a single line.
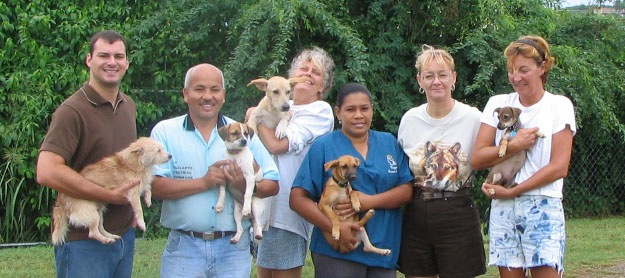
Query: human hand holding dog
[[495, 191], [347, 241], [215, 175], [523, 140], [234, 176], [119, 195]]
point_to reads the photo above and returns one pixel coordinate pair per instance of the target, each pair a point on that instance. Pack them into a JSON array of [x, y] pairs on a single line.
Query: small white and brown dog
[[134, 163], [237, 137], [504, 172], [273, 109]]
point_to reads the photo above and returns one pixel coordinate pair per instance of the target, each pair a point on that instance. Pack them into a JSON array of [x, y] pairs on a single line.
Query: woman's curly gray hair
[[319, 58]]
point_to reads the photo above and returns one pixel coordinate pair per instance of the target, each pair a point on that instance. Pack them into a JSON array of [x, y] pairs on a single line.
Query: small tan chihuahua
[[504, 172]]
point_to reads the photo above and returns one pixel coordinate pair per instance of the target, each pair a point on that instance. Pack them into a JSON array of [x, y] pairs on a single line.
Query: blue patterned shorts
[[281, 249], [526, 232]]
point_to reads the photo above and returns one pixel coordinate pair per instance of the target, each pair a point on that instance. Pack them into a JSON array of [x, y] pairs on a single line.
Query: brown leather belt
[[427, 195], [207, 235]]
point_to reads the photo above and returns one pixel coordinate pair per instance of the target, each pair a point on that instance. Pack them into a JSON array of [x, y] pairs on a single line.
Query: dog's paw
[[235, 239], [281, 129], [219, 209], [540, 134], [501, 153]]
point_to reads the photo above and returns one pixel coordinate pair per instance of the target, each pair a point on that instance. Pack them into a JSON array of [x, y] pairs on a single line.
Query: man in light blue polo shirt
[[199, 240]]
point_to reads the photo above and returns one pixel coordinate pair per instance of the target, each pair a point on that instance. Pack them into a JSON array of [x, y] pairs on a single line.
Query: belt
[[207, 235], [427, 195]]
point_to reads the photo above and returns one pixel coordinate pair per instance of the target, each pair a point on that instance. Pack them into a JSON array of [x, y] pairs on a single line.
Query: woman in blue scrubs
[[383, 183]]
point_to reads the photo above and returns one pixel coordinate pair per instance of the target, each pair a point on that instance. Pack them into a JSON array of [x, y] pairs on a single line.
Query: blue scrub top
[[385, 167]]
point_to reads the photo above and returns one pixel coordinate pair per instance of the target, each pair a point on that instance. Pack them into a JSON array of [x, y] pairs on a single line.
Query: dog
[[273, 109], [439, 167], [339, 187], [503, 173], [130, 164], [236, 136]]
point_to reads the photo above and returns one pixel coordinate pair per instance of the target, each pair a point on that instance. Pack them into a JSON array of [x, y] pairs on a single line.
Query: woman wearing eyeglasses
[[441, 234]]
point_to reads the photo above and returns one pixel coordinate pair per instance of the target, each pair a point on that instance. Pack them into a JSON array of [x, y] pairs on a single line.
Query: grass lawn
[[595, 248]]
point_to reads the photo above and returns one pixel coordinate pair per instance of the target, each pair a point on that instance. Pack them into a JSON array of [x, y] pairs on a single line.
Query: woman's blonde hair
[[429, 53], [534, 47]]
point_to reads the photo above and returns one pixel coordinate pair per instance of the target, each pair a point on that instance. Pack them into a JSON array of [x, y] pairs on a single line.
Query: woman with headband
[[527, 220]]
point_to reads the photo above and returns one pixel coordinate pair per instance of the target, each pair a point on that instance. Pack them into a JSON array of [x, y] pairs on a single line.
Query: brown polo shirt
[[86, 128]]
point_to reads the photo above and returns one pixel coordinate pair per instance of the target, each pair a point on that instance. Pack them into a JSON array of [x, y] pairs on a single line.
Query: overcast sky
[[569, 3]]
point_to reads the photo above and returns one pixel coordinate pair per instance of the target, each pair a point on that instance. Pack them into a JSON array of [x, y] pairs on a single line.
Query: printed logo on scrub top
[[392, 164]]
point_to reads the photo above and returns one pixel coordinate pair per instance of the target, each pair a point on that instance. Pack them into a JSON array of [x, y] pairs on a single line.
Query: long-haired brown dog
[[338, 187], [130, 164]]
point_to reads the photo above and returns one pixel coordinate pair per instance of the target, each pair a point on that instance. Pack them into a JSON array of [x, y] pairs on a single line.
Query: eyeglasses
[[443, 76]]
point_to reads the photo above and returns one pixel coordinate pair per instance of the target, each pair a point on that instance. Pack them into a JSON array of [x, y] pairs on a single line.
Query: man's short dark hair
[[108, 36]]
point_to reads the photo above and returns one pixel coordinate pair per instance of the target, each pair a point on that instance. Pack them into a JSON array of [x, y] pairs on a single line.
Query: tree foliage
[[375, 42]]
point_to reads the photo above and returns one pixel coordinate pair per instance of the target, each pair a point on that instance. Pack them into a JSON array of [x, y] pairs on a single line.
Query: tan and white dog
[[337, 188], [133, 163], [237, 136], [273, 109], [504, 172]]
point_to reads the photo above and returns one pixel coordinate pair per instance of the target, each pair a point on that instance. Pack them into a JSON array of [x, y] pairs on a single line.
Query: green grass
[[595, 248]]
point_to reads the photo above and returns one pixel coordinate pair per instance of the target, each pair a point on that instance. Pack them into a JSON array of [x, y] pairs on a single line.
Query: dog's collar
[[234, 151], [340, 183], [513, 128]]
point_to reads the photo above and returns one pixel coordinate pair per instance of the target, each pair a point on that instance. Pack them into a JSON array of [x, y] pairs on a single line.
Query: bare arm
[[558, 167], [485, 152], [390, 199], [167, 188], [54, 173], [273, 145]]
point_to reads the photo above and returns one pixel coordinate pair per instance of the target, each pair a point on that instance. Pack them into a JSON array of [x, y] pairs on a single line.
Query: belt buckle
[[208, 236]]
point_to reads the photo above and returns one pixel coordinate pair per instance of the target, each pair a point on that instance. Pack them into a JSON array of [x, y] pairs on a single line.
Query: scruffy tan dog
[[504, 172], [273, 110], [237, 136], [344, 171], [130, 164]]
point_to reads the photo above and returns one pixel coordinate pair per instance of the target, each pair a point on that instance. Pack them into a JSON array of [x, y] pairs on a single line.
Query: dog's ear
[[249, 130], [516, 112], [330, 164], [261, 83], [223, 132], [295, 80], [138, 150], [497, 110], [357, 162]]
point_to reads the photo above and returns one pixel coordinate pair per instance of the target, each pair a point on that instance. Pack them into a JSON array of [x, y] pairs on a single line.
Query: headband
[[535, 46]]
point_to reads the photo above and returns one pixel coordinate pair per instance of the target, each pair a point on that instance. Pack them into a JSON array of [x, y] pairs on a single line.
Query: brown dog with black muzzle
[[504, 172], [344, 171]]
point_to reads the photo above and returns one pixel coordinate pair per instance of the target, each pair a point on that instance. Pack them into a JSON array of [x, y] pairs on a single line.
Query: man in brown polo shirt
[[95, 122]]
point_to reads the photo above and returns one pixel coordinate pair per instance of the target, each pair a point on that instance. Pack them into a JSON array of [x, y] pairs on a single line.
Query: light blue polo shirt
[[386, 167], [191, 157]]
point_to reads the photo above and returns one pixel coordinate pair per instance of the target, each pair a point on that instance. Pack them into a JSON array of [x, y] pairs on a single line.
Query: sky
[[569, 3]]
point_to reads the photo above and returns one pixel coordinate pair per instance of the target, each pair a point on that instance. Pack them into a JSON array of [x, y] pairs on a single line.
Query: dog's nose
[[286, 107], [169, 156]]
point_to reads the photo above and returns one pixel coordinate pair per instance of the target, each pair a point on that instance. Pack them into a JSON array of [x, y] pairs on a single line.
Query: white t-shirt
[[439, 149], [551, 114], [308, 122]]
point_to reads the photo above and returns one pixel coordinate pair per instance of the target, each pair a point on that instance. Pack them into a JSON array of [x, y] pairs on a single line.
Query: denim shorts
[[526, 232], [90, 258], [187, 256], [281, 249]]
